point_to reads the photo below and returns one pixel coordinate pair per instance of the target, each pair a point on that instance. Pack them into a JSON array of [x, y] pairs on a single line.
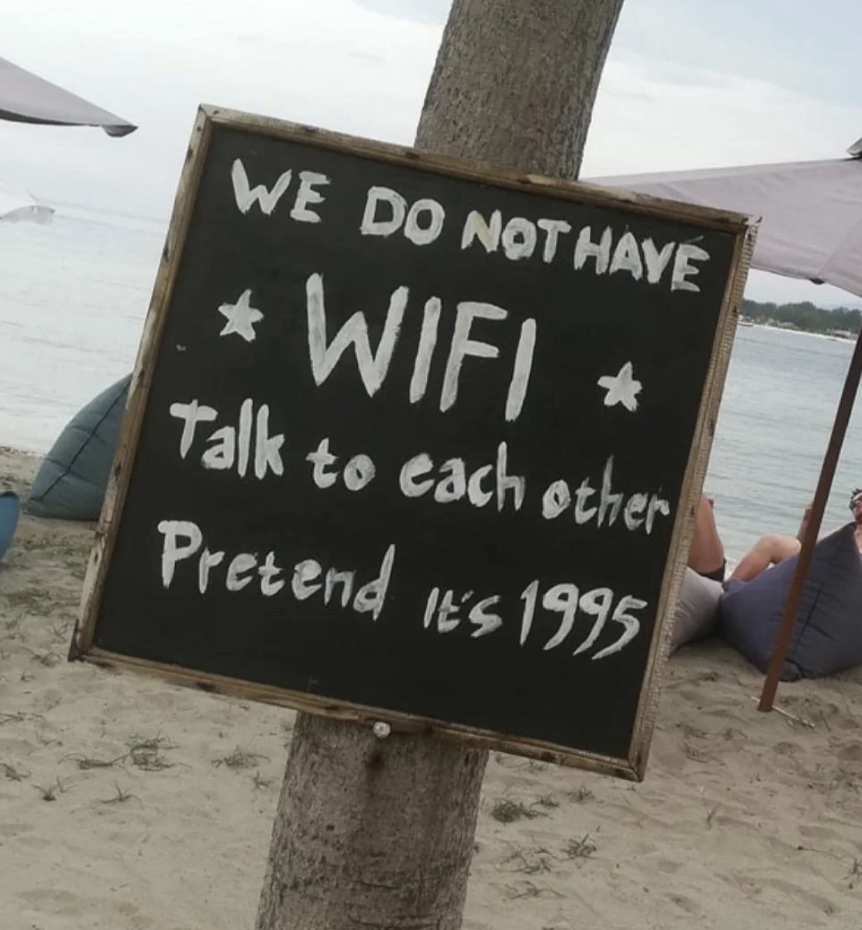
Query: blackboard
[[414, 442]]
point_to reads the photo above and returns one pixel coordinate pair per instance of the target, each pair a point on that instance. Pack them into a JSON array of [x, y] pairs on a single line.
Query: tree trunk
[[371, 834], [375, 834], [515, 82]]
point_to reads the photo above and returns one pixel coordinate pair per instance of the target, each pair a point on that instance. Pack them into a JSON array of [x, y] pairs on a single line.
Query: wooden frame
[[741, 227]]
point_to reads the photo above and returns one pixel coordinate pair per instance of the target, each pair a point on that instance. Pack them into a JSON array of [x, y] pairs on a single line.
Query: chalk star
[[241, 317], [621, 388]]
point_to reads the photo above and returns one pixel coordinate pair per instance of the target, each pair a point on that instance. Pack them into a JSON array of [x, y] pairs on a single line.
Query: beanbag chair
[[72, 480], [827, 633], [9, 510], [696, 611]]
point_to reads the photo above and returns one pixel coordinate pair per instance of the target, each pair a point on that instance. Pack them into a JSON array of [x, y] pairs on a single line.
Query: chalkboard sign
[[413, 442]]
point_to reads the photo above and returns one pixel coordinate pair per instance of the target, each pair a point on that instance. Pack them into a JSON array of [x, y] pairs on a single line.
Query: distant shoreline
[[840, 323], [835, 337]]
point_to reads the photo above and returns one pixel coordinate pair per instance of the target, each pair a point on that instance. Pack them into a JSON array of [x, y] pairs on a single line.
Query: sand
[[128, 803]]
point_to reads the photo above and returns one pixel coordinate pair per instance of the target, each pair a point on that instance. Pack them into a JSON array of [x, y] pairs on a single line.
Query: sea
[[74, 294]]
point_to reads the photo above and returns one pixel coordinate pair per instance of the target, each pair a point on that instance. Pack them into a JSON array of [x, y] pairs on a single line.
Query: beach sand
[[128, 803]]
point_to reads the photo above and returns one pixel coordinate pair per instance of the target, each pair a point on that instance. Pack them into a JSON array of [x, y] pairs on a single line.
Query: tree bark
[[515, 82], [371, 834], [375, 834]]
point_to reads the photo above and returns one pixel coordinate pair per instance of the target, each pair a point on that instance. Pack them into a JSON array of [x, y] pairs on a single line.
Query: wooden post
[[375, 832], [809, 537]]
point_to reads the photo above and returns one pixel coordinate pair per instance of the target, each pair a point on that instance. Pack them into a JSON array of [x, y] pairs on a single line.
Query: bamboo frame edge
[[704, 434], [483, 172], [108, 527], [338, 709]]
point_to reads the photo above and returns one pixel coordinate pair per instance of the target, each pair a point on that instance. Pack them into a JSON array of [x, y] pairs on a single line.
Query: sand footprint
[[850, 751], [687, 904], [819, 832], [809, 897], [54, 901]]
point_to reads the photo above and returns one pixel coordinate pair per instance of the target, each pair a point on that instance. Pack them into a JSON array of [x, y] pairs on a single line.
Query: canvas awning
[[811, 212], [27, 98], [17, 206]]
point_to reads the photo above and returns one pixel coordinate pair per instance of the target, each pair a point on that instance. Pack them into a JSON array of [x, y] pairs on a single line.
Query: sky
[[687, 84]]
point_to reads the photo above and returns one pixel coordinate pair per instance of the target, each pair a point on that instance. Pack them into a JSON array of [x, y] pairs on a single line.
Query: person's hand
[[805, 518]]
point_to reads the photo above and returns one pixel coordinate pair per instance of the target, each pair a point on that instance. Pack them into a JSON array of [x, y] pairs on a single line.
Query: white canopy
[[811, 212], [17, 206], [26, 98]]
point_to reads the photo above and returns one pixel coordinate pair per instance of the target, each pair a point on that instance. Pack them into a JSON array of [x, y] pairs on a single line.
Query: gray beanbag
[[827, 636], [696, 611], [9, 510], [73, 478]]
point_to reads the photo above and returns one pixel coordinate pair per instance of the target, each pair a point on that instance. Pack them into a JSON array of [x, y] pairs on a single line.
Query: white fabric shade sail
[[18, 206], [27, 98], [811, 212]]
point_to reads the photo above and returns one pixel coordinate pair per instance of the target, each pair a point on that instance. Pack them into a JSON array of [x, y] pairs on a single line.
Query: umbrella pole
[[809, 538]]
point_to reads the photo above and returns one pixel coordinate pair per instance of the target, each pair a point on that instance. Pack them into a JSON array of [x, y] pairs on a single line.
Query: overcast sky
[[688, 84]]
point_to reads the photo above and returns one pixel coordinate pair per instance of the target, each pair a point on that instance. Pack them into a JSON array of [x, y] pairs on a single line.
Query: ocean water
[[73, 296]]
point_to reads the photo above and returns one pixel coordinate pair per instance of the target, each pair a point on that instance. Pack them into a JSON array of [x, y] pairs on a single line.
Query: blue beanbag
[[9, 510], [827, 635]]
